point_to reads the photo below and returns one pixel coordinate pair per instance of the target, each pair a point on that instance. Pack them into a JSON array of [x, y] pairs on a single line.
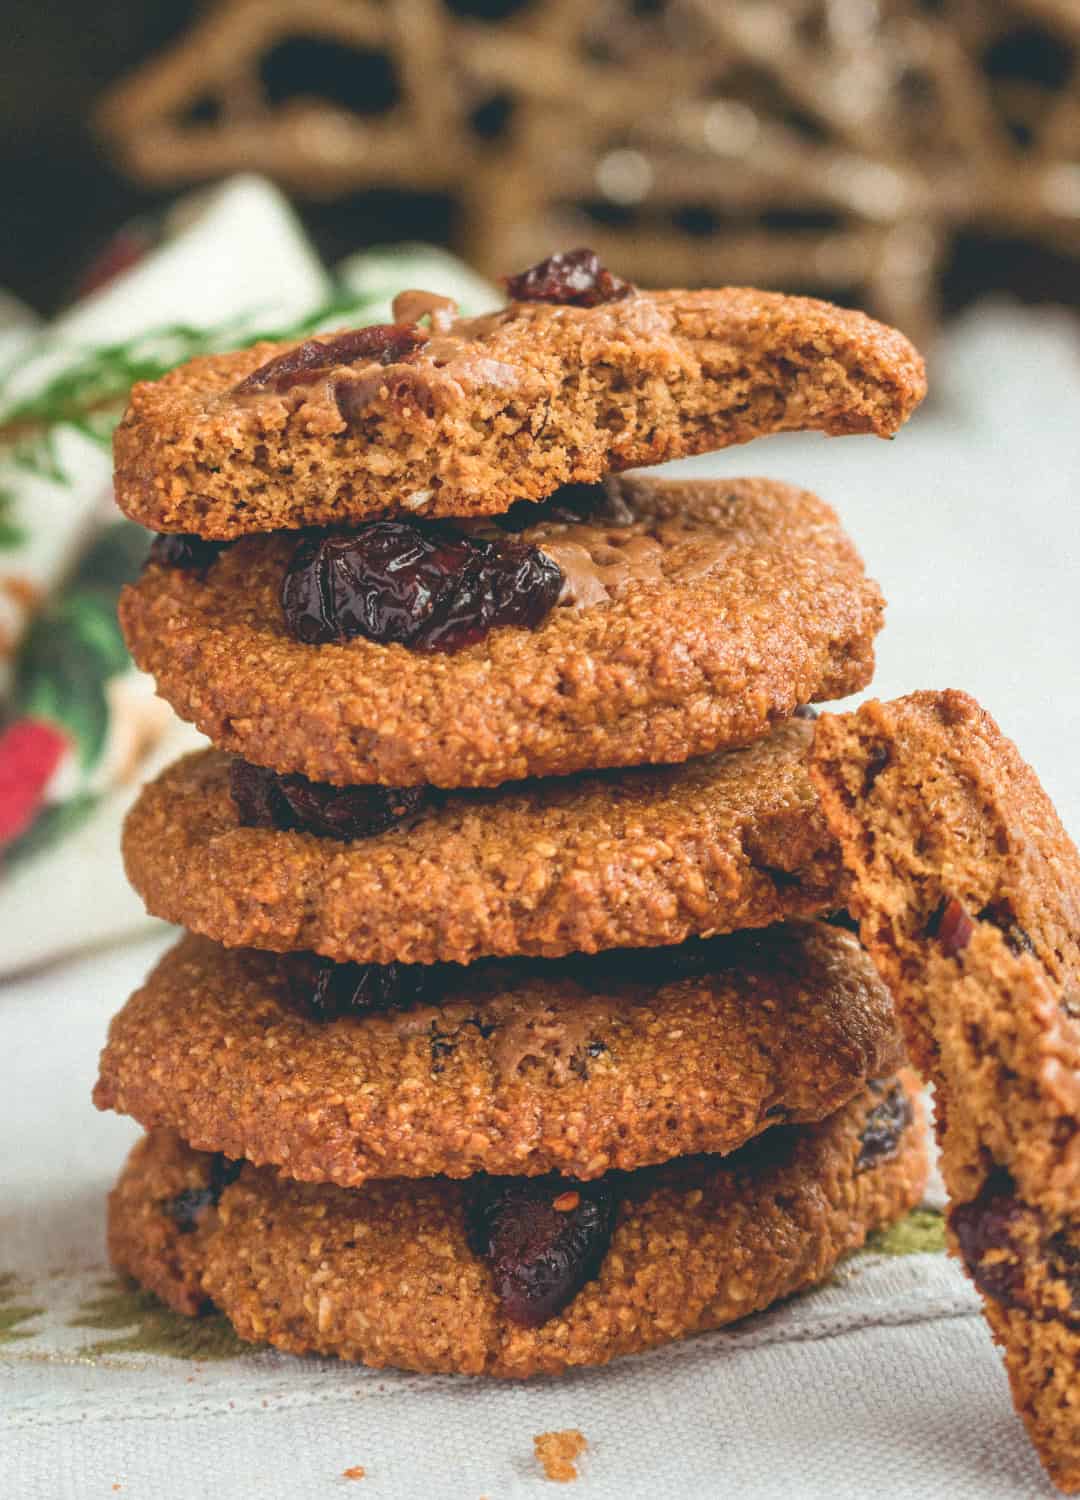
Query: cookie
[[721, 607], [388, 1274], [634, 858], [968, 893], [466, 419], [581, 1065]]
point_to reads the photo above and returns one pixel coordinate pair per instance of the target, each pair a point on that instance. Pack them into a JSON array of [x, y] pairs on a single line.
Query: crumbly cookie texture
[[557, 1452], [753, 601], [384, 1274], [968, 893], [578, 1066], [501, 408], [634, 858]]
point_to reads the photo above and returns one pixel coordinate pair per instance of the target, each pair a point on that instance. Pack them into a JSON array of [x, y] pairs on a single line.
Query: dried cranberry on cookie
[[689, 616], [579, 376]]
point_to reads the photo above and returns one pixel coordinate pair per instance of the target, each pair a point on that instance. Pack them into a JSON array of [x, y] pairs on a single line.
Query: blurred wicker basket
[[822, 145]]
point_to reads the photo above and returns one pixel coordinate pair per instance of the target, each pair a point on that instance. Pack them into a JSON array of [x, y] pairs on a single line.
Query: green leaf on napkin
[[13, 1313], [11, 535], [71, 650], [153, 1328], [921, 1231]]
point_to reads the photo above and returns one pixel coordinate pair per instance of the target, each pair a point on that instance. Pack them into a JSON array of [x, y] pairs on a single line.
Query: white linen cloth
[[882, 1383]]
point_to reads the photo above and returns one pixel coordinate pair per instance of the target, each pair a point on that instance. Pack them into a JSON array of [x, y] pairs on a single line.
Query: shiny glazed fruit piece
[[265, 799], [544, 1238], [951, 924], [325, 990], [417, 584], [576, 279], [380, 344]]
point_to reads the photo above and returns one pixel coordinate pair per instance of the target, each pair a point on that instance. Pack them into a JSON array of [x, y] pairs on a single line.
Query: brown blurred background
[[907, 155]]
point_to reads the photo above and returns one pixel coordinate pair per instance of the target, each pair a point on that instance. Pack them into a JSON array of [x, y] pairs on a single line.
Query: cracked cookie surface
[[579, 1065], [501, 408], [385, 1274], [747, 601]]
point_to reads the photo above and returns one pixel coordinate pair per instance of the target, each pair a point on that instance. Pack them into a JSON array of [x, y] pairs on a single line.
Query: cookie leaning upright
[[580, 376], [968, 893]]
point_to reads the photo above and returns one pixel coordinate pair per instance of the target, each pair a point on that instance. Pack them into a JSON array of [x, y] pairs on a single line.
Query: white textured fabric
[[883, 1383]]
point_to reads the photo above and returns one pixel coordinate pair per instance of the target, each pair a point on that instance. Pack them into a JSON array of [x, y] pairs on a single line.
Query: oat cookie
[[467, 418], [388, 1275], [968, 893], [721, 607], [580, 1065], [634, 858]]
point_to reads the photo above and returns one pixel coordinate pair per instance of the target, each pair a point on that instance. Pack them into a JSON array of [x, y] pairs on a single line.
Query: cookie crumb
[[356, 1472], [556, 1452]]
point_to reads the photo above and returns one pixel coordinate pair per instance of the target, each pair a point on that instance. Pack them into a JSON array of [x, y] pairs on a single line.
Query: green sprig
[[89, 392], [11, 535]]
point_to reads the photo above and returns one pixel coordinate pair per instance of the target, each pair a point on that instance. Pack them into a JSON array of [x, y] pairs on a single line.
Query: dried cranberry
[[991, 1225], [380, 344], [884, 1126], [540, 1254], [188, 1207], [576, 278], [325, 990], [952, 926], [999, 1235], [416, 583], [193, 554], [266, 800], [805, 711]]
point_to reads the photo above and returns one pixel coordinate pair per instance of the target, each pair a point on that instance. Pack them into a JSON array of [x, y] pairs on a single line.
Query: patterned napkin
[[80, 729]]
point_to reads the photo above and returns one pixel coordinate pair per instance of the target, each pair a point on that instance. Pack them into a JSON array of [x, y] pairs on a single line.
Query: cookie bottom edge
[[384, 1275]]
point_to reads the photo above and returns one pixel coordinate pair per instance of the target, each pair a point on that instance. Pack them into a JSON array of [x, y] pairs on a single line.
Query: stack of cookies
[[519, 1023]]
